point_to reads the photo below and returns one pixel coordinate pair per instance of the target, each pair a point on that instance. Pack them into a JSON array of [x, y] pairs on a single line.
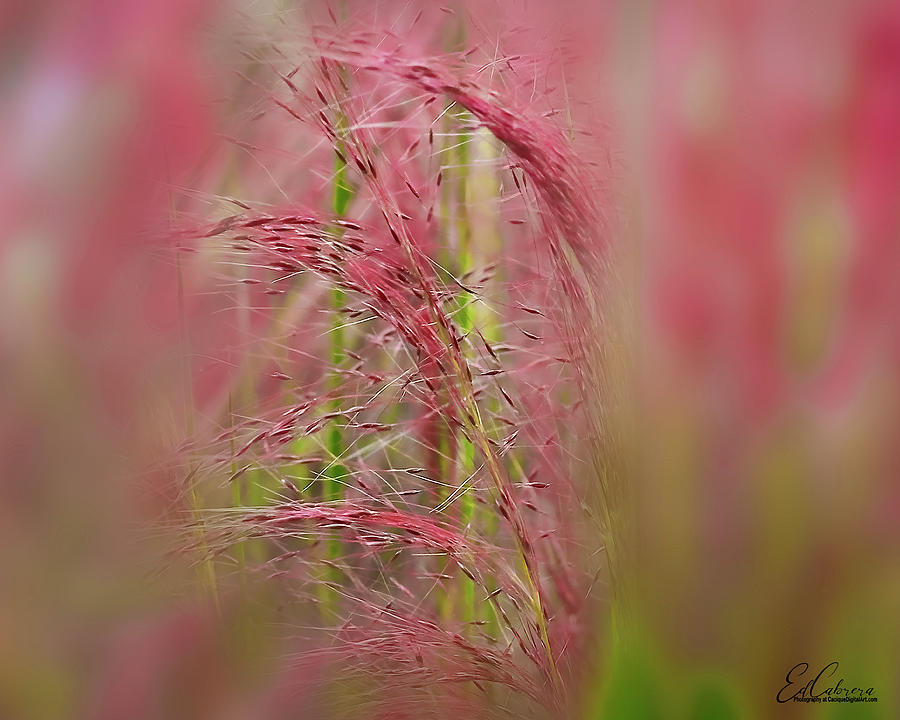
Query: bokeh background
[[748, 157]]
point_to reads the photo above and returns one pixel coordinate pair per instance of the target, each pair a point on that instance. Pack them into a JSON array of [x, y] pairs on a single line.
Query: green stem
[[335, 473]]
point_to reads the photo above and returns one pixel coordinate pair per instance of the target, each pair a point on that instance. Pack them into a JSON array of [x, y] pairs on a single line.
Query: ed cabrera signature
[[822, 687]]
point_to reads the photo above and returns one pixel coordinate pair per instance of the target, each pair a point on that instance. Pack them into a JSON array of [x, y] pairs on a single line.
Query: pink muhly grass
[[543, 152], [413, 362], [424, 422]]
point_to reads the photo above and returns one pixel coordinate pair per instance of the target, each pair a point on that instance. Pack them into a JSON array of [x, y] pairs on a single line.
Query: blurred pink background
[[751, 155]]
